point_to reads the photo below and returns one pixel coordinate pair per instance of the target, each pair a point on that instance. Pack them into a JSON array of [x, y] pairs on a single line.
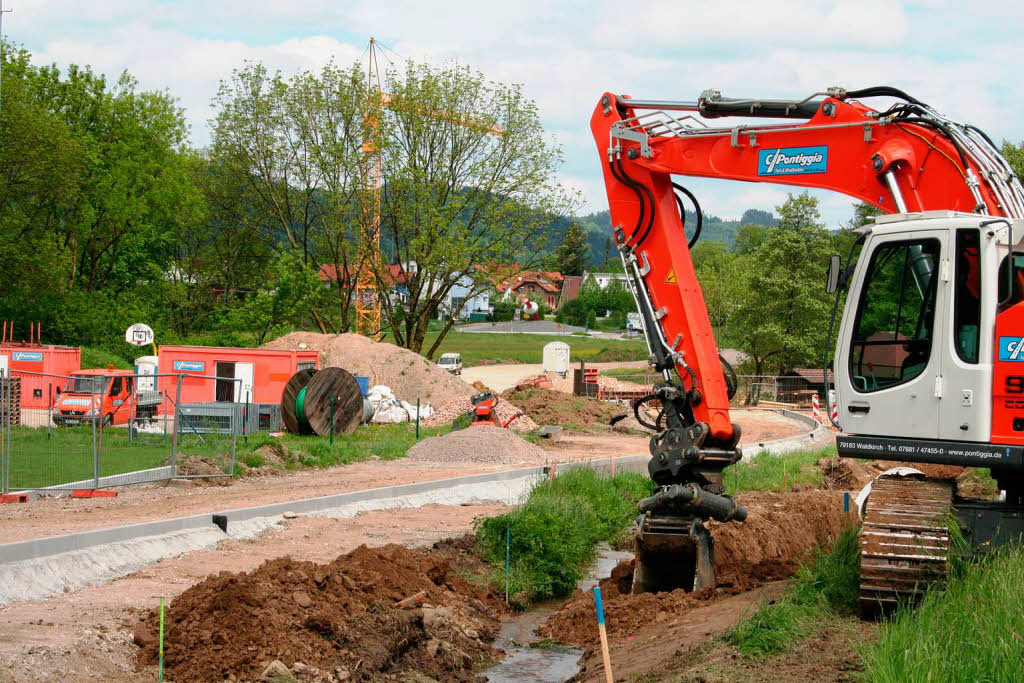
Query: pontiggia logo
[[1011, 349], [792, 160]]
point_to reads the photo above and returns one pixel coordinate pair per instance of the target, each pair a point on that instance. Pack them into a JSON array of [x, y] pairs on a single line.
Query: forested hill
[[598, 229]]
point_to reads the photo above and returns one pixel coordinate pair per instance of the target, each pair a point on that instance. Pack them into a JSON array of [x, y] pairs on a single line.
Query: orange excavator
[[929, 357]]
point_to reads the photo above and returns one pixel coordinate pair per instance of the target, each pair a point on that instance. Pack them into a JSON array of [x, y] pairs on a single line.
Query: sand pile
[[482, 443], [339, 618], [410, 375], [782, 529]]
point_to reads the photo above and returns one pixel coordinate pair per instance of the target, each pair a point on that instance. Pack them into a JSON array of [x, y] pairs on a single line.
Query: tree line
[[108, 216]]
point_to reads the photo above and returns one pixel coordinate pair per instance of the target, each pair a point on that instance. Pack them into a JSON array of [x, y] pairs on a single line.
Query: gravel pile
[[409, 375], [478, 444]]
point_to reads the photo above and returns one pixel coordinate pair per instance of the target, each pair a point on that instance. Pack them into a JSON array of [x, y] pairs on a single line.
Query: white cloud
[[567, 54]]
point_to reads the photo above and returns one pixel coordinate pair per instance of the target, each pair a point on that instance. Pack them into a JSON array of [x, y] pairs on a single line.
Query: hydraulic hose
[[640, 198], [682, 213], [638, 187], [696, 500]]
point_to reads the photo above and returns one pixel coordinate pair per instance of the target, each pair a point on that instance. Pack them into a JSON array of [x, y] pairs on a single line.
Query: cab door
[[888, 362]]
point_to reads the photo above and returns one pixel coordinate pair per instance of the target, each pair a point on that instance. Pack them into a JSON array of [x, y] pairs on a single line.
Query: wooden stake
[[605, 654], [161, 640]]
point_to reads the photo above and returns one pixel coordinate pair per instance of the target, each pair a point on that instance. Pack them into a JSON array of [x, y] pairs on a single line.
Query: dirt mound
[[846, 474], [782, 528], [410, 375], [202, 469], [341, 615], [482, 443], [546, 406]]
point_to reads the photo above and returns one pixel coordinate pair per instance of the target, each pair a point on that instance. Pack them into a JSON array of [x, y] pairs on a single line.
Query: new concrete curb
[[818, 437], [21, 551]]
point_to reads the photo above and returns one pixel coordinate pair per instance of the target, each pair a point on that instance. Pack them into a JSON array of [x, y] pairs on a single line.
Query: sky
[[959, 57]]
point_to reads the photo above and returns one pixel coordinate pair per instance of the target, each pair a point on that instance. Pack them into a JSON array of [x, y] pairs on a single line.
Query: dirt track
[[56, 516]]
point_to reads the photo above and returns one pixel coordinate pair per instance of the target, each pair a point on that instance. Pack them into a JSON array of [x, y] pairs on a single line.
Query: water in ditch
[[547, 663]]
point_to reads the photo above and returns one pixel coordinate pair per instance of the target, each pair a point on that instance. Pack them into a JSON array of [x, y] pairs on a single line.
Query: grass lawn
[[483, 348], [66, 455]]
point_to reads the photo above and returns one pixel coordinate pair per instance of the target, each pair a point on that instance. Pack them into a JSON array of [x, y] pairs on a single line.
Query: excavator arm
[[907, 158]]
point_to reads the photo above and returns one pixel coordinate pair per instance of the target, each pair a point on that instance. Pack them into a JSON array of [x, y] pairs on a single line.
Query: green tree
[[293, 285], [469, 182], [749, 238], [289, 170], [782, 315], [591, 319], [570, 257]]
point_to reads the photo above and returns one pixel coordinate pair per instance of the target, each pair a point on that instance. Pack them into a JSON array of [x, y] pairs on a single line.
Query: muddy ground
[[767, 547], [88, 634], [342, 620]]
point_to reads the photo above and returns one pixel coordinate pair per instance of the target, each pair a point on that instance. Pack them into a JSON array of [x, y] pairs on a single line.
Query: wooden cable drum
[[296, 385], [315, 403]]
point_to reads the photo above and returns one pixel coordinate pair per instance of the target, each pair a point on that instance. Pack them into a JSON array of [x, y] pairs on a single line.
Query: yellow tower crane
[[367, 298]]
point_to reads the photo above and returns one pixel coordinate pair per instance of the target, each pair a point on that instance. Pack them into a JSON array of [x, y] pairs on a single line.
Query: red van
[[90, 394]]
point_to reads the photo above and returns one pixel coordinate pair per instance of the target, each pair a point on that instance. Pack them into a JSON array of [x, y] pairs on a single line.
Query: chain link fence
[[102, 428]]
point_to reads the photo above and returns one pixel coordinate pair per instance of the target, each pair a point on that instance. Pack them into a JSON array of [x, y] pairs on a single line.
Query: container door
[[243, 387], [888, 363], [4, 365]]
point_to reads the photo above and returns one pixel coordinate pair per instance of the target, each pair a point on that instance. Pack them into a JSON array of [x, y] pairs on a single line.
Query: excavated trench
[[343, 619]]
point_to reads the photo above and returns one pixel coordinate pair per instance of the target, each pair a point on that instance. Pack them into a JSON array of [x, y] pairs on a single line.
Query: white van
[[452, 362]]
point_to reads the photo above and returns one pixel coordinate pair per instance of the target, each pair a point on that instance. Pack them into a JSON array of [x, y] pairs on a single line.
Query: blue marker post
[[508, 555], [605, 655]]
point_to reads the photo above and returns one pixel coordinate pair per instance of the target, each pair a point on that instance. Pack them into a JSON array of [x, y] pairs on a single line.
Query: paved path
[[502, 377]]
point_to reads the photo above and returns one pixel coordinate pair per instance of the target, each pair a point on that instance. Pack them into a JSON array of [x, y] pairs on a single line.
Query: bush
[[504, 311], [591, 319], [573, 313], [554, 532]]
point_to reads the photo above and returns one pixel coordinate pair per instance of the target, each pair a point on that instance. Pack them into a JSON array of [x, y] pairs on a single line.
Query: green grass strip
[[828, 585], [554, 532], [971, 631]]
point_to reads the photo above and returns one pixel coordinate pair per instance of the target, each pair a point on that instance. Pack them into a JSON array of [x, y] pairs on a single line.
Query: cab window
[[1016, 294], [115, 387], [892, 334], [967, 295]]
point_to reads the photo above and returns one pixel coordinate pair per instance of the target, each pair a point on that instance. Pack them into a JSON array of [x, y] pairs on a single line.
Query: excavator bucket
[[672, 553]]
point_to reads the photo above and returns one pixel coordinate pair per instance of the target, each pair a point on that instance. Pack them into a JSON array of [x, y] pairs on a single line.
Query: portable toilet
[[556, 358], [146, 371]]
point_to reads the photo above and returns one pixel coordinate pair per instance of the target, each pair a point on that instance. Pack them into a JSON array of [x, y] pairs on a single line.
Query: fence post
[[4, 437], [49, 408], [95, 455], [174, 429]]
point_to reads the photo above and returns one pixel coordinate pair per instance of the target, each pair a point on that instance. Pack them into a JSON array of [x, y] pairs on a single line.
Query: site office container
[[37, 392], [263, 373]]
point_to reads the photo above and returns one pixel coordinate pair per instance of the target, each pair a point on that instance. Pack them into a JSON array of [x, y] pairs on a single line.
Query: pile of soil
[[546, 406], [208, 472], [780, 531], [480, 443], [846, 474], [409, 375], [340, 618]]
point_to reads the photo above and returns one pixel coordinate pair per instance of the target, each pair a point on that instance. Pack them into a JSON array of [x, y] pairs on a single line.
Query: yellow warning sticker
[[671, 278]]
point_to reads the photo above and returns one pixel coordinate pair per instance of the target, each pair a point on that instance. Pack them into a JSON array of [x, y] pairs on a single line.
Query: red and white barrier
[[815, 408]]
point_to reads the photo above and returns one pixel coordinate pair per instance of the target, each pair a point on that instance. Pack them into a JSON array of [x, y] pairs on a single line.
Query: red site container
[[263, 372], [36, 392]]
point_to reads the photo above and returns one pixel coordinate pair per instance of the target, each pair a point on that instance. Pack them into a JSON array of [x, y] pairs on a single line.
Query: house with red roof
[[545, 285]]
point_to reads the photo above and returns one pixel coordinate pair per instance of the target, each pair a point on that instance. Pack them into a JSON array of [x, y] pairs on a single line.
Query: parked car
[[452, 362], [95, 394]]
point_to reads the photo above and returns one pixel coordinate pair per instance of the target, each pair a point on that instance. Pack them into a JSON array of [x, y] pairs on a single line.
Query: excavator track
[[904, 541]]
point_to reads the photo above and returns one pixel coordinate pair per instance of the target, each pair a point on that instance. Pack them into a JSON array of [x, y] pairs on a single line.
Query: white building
[[604, 279]]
